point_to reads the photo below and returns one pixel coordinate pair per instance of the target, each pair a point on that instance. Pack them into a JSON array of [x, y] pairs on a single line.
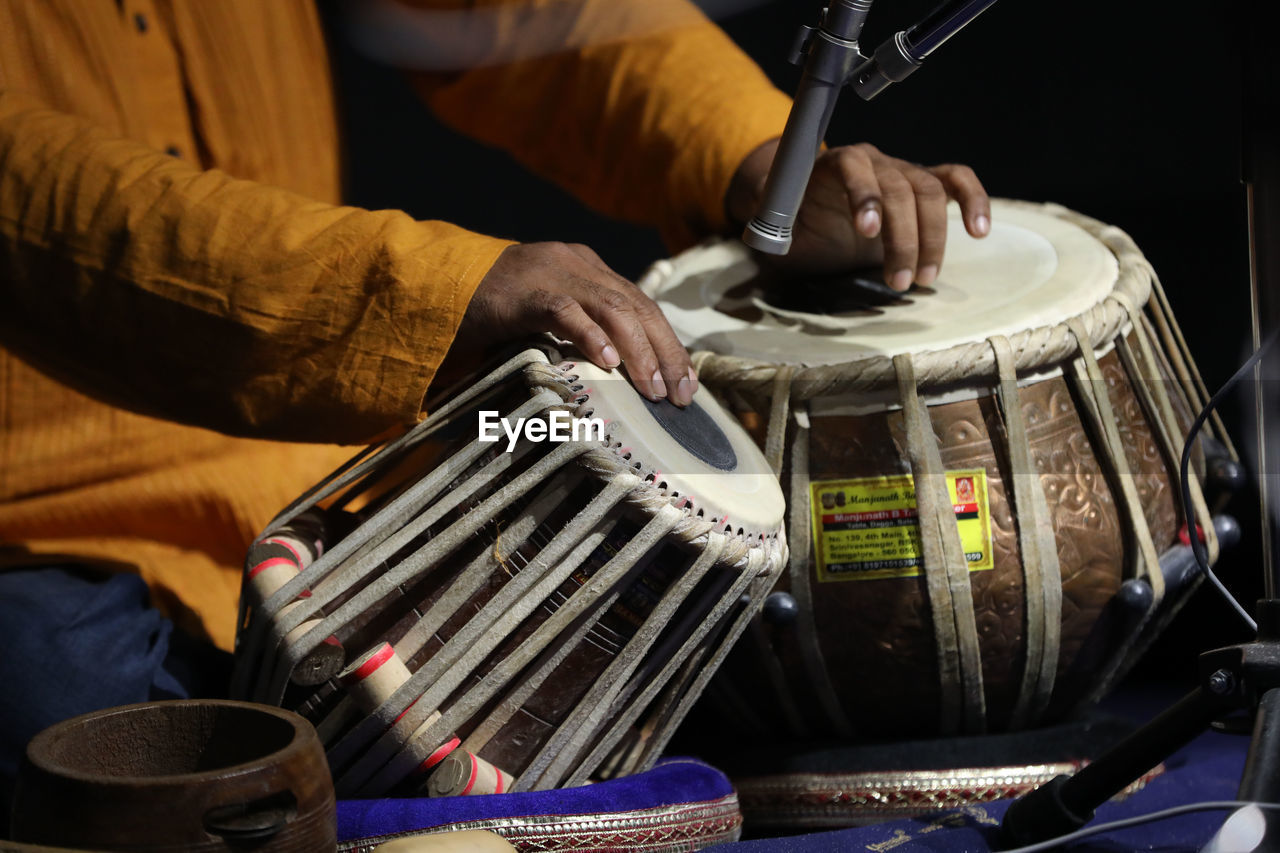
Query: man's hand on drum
[[863, 207], [569, 291]]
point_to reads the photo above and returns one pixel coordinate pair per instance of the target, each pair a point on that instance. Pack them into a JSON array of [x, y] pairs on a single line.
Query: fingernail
[[901, 280], [610, 356], [869, 222], [693, 380], [684, 391], [659, 387], [927, 274], [982, 224]]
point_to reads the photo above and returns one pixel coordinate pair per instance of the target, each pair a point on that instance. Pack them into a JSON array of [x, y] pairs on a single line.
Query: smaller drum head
[[701, 453], [1033, 269]]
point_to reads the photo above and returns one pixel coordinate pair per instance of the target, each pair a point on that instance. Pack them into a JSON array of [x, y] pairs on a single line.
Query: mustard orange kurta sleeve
[[644, 112], [224, 303]]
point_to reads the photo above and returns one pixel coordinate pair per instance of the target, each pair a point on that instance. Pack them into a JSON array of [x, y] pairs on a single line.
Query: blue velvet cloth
[[1207, 769], [74, 642], [672, 781]]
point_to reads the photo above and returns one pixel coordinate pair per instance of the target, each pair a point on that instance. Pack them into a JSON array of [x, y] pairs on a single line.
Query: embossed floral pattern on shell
[[876, 636]]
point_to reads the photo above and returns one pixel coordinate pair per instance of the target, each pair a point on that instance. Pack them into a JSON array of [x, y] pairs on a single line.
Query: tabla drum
[[976, 472], [525, 591]]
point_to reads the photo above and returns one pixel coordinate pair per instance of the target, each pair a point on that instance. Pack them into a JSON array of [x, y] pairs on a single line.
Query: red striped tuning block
[[271, 564], [372, 678], [462, 773]]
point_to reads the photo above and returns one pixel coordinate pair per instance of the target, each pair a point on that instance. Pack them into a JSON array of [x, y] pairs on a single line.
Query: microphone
[[832, 53], [832, 59]]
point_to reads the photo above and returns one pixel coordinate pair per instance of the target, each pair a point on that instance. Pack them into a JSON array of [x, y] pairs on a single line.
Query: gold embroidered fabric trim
[[667, 829], [816, 800]]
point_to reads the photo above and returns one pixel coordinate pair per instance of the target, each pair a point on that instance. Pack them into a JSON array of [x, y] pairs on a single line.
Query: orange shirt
[[175, 268]]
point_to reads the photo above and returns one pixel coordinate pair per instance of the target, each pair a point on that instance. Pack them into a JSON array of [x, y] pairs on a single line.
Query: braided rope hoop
[[1033, 349]]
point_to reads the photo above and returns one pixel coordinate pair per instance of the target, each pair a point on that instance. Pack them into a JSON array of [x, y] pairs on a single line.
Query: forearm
[[649, 127], [190, 295]]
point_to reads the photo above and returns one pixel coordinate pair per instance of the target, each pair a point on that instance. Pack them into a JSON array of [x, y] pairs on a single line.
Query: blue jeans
[[72, 641]]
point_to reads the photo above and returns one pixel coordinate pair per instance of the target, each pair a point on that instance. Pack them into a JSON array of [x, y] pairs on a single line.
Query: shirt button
[[140, 21]]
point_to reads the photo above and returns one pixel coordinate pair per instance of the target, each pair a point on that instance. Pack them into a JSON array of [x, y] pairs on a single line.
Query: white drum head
[[702, 453], [1034, 269]]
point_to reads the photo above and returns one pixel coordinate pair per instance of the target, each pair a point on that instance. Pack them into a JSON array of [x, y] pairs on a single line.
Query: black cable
[[1197, 546], [1202, 558]]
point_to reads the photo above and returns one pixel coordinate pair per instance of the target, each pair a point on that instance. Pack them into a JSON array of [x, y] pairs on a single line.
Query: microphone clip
[[829, 52]]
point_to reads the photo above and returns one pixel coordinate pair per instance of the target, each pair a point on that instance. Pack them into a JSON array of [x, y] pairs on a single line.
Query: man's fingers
[[901, 229], [931, 223], [564, 317], [673, 358], [618, 316], [858, 174], [963, 185], [569, 291], [652, 355], [672, 374]]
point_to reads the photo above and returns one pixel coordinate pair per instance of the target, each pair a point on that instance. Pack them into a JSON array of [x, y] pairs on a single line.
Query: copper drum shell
[[876, 636], [180, 775]]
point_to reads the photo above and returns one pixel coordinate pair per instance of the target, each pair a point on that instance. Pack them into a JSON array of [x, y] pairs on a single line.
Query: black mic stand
[[1238, 677]]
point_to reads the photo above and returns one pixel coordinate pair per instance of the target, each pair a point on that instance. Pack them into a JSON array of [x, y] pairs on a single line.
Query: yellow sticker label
[[867, 528]]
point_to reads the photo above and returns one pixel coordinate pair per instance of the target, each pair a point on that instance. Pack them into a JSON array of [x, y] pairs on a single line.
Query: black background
[[1128, 112]]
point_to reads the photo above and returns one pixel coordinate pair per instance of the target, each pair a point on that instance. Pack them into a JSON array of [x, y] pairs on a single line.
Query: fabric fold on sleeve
[[186, 294]]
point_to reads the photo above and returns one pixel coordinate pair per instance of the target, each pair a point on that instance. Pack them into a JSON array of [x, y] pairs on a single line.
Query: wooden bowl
[[181, 775]]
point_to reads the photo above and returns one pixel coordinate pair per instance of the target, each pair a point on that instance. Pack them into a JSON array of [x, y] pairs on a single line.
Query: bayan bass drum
[[974, 471]]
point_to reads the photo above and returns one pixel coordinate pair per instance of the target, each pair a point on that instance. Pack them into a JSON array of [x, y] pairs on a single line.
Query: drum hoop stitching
[[607, 461]]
